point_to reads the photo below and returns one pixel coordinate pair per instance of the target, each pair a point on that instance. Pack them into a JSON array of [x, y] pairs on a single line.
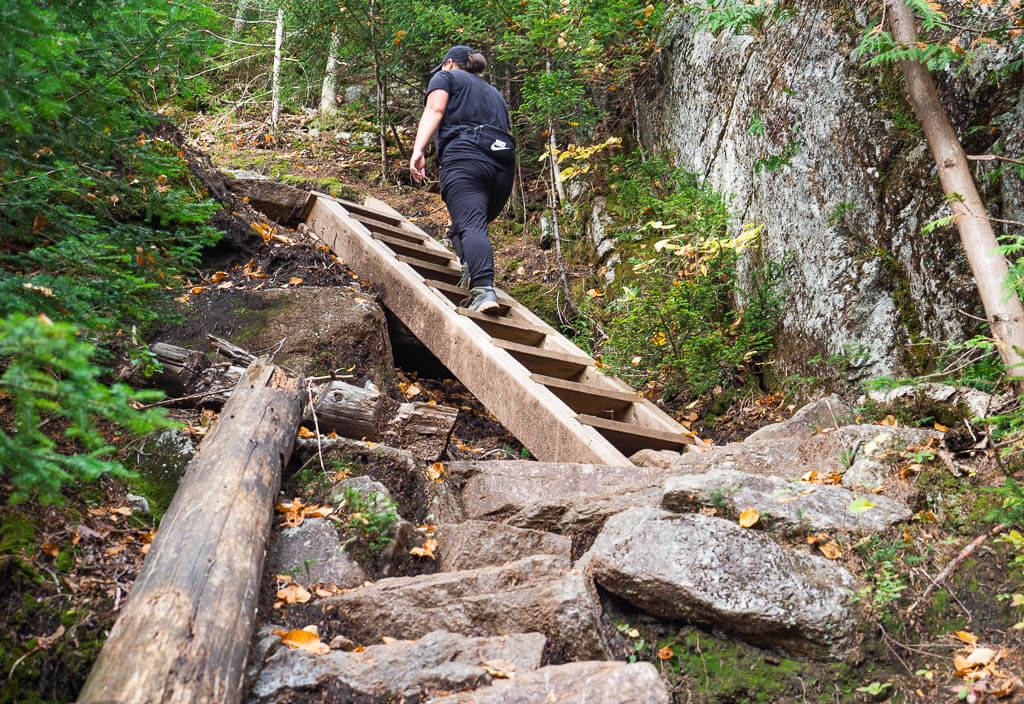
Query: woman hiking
[[476, 156]]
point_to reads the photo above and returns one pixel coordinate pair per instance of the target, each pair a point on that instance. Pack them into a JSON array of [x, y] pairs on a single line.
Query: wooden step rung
[[587, 398], [415, 251], [396, 232], [547, 362], [629, 438], [506, 328], [433, 271], [359, 211], [456, 295]]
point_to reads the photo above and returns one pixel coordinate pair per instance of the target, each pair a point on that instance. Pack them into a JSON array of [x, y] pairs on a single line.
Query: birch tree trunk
[[1003, 308], [329, 92], [239, 25], [275, 112], [553, 145], [378, 80]]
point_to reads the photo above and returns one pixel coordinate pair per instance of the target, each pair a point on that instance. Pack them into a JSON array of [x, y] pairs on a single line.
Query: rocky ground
[[794, 566]]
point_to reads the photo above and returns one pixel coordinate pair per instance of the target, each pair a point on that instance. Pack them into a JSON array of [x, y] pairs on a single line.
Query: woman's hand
[[417, 165]]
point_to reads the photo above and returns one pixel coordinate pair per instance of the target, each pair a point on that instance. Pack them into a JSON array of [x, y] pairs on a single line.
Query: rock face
[[472, 544], [818, 149], [792, 457], [311, 553], [531, 595], [439, 661], [710, 571], [557, 497], [789, 506], [573, 683]]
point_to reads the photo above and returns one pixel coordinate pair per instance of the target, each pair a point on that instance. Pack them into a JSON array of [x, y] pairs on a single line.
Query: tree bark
[[421, 428], [239, 24], [182, 367], [275, 112], [1003, 307], [185, 630], [329, 91]]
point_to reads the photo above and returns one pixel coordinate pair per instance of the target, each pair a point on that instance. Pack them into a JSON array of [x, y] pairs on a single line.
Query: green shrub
[[675, 321], [50, 379]]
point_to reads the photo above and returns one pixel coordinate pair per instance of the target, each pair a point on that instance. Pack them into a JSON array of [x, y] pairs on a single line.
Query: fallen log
[[421, 428], [350, 411], [181, 368], [184, 632], [285, 204]]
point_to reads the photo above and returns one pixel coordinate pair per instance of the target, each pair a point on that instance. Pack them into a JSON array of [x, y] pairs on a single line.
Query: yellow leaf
[[659, 339], [940, 427], [50, 549], [436, 472], [305, 432], [665, 653], [294, 594], [295, 280], [219, 276], [595, 293], [303, 640], [967, 637], [429, 545], [749, 517], [831, 550]]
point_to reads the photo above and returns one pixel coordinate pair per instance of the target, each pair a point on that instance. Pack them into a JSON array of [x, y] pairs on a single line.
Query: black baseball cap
[[459, 54]]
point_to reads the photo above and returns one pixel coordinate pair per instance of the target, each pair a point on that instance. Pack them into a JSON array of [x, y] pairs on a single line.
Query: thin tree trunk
[[562, 276], [1003, 308], [275, 112], [553, 145], [239, 25], [378, 80], [329, 92]]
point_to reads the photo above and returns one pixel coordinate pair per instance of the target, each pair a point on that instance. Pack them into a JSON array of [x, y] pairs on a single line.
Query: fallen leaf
[[388, 640], [860, 506], [294, 594], [967, 637], [940, 427], [219, 276], [305, 432], [831, 550], [981, 656], [429, 545], [633, 633], [123, 510], [436, 472], [749, 517], [50, 549], [595, 293], [665, 653], [413, 390], [302, 639], [500, 669], [295, 280]]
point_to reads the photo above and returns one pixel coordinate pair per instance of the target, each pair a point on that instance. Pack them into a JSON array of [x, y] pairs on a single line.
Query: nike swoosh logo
[[498, 146]]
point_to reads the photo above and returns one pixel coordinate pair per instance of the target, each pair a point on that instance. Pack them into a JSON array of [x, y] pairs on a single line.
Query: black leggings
[[475, 191]]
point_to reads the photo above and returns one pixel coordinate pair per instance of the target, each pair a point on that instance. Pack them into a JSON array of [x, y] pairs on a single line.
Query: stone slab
[[473, 544]]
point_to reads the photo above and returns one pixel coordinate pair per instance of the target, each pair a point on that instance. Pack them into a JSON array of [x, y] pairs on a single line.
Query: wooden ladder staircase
[[544, 389]]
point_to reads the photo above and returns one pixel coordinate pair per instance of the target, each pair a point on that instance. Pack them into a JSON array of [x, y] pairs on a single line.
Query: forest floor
[[68, 569]]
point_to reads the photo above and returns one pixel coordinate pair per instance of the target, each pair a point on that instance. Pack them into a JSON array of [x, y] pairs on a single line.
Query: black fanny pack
[[495, 142]]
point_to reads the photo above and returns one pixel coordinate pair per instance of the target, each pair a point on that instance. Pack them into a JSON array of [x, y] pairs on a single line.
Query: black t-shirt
[[472, 101]]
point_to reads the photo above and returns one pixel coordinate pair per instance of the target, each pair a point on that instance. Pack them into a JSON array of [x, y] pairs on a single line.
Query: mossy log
[[185, 630]]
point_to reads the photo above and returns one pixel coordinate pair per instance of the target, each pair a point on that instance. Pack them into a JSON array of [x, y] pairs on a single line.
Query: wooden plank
[[629, 437], [184, 633], [587, 398], [414, 250], [545, 361], [391, 231], [538, 418], [456, 294], [432, 270], [363, 211], [506, 328]]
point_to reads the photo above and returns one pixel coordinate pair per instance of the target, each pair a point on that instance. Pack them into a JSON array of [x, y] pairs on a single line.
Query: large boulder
[[406, 670], [311, 553], [531, 595], [825, 413], [319, 329], [465, 546], [786, 505], [710, 571], [573, 683], [559, 497]]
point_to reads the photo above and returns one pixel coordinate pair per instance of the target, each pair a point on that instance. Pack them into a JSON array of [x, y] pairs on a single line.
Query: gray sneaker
[[465, 281], [485, 300]]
